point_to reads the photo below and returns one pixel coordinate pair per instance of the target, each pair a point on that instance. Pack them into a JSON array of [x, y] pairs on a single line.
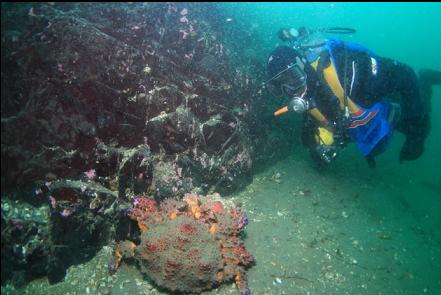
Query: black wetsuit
[[369, 79]]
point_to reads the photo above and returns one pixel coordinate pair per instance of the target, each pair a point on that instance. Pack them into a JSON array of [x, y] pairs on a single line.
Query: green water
[[407, 32], [350, 229], [392, 211], [404, 31]]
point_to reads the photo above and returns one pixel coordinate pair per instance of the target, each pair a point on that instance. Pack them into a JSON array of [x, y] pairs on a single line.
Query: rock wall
[[100, 102], [93, 84]]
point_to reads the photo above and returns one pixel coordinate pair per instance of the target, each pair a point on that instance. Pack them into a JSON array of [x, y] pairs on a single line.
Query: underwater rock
[[123, 78], [83, 218], [167, 179], [123, 99], [66, 196], [188, 245], [174, 132], [218, 135], [24, 242], [164, 99], [135, 170]]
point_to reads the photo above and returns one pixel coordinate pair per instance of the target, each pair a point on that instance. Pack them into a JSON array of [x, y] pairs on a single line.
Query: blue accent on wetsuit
[[371, 130]]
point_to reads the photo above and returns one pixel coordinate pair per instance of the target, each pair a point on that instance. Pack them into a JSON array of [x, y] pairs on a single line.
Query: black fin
[[371, 161]]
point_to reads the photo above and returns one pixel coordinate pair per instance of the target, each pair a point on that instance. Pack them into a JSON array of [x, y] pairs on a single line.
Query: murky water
[[347, 229]]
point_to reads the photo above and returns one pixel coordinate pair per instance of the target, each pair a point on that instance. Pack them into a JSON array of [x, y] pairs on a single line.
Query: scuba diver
[[349, 94]]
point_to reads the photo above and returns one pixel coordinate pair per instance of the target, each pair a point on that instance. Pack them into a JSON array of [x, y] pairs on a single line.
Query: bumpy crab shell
[[189, 245], [180, 255]]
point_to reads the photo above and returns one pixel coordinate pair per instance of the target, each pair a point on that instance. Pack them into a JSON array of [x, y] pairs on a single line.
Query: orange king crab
[[188, 245]]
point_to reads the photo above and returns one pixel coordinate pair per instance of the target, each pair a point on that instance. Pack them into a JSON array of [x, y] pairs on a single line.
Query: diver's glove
[[416, 130]]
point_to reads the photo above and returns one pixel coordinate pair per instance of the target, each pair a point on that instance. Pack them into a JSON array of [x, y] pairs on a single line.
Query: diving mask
[[290, 82]]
